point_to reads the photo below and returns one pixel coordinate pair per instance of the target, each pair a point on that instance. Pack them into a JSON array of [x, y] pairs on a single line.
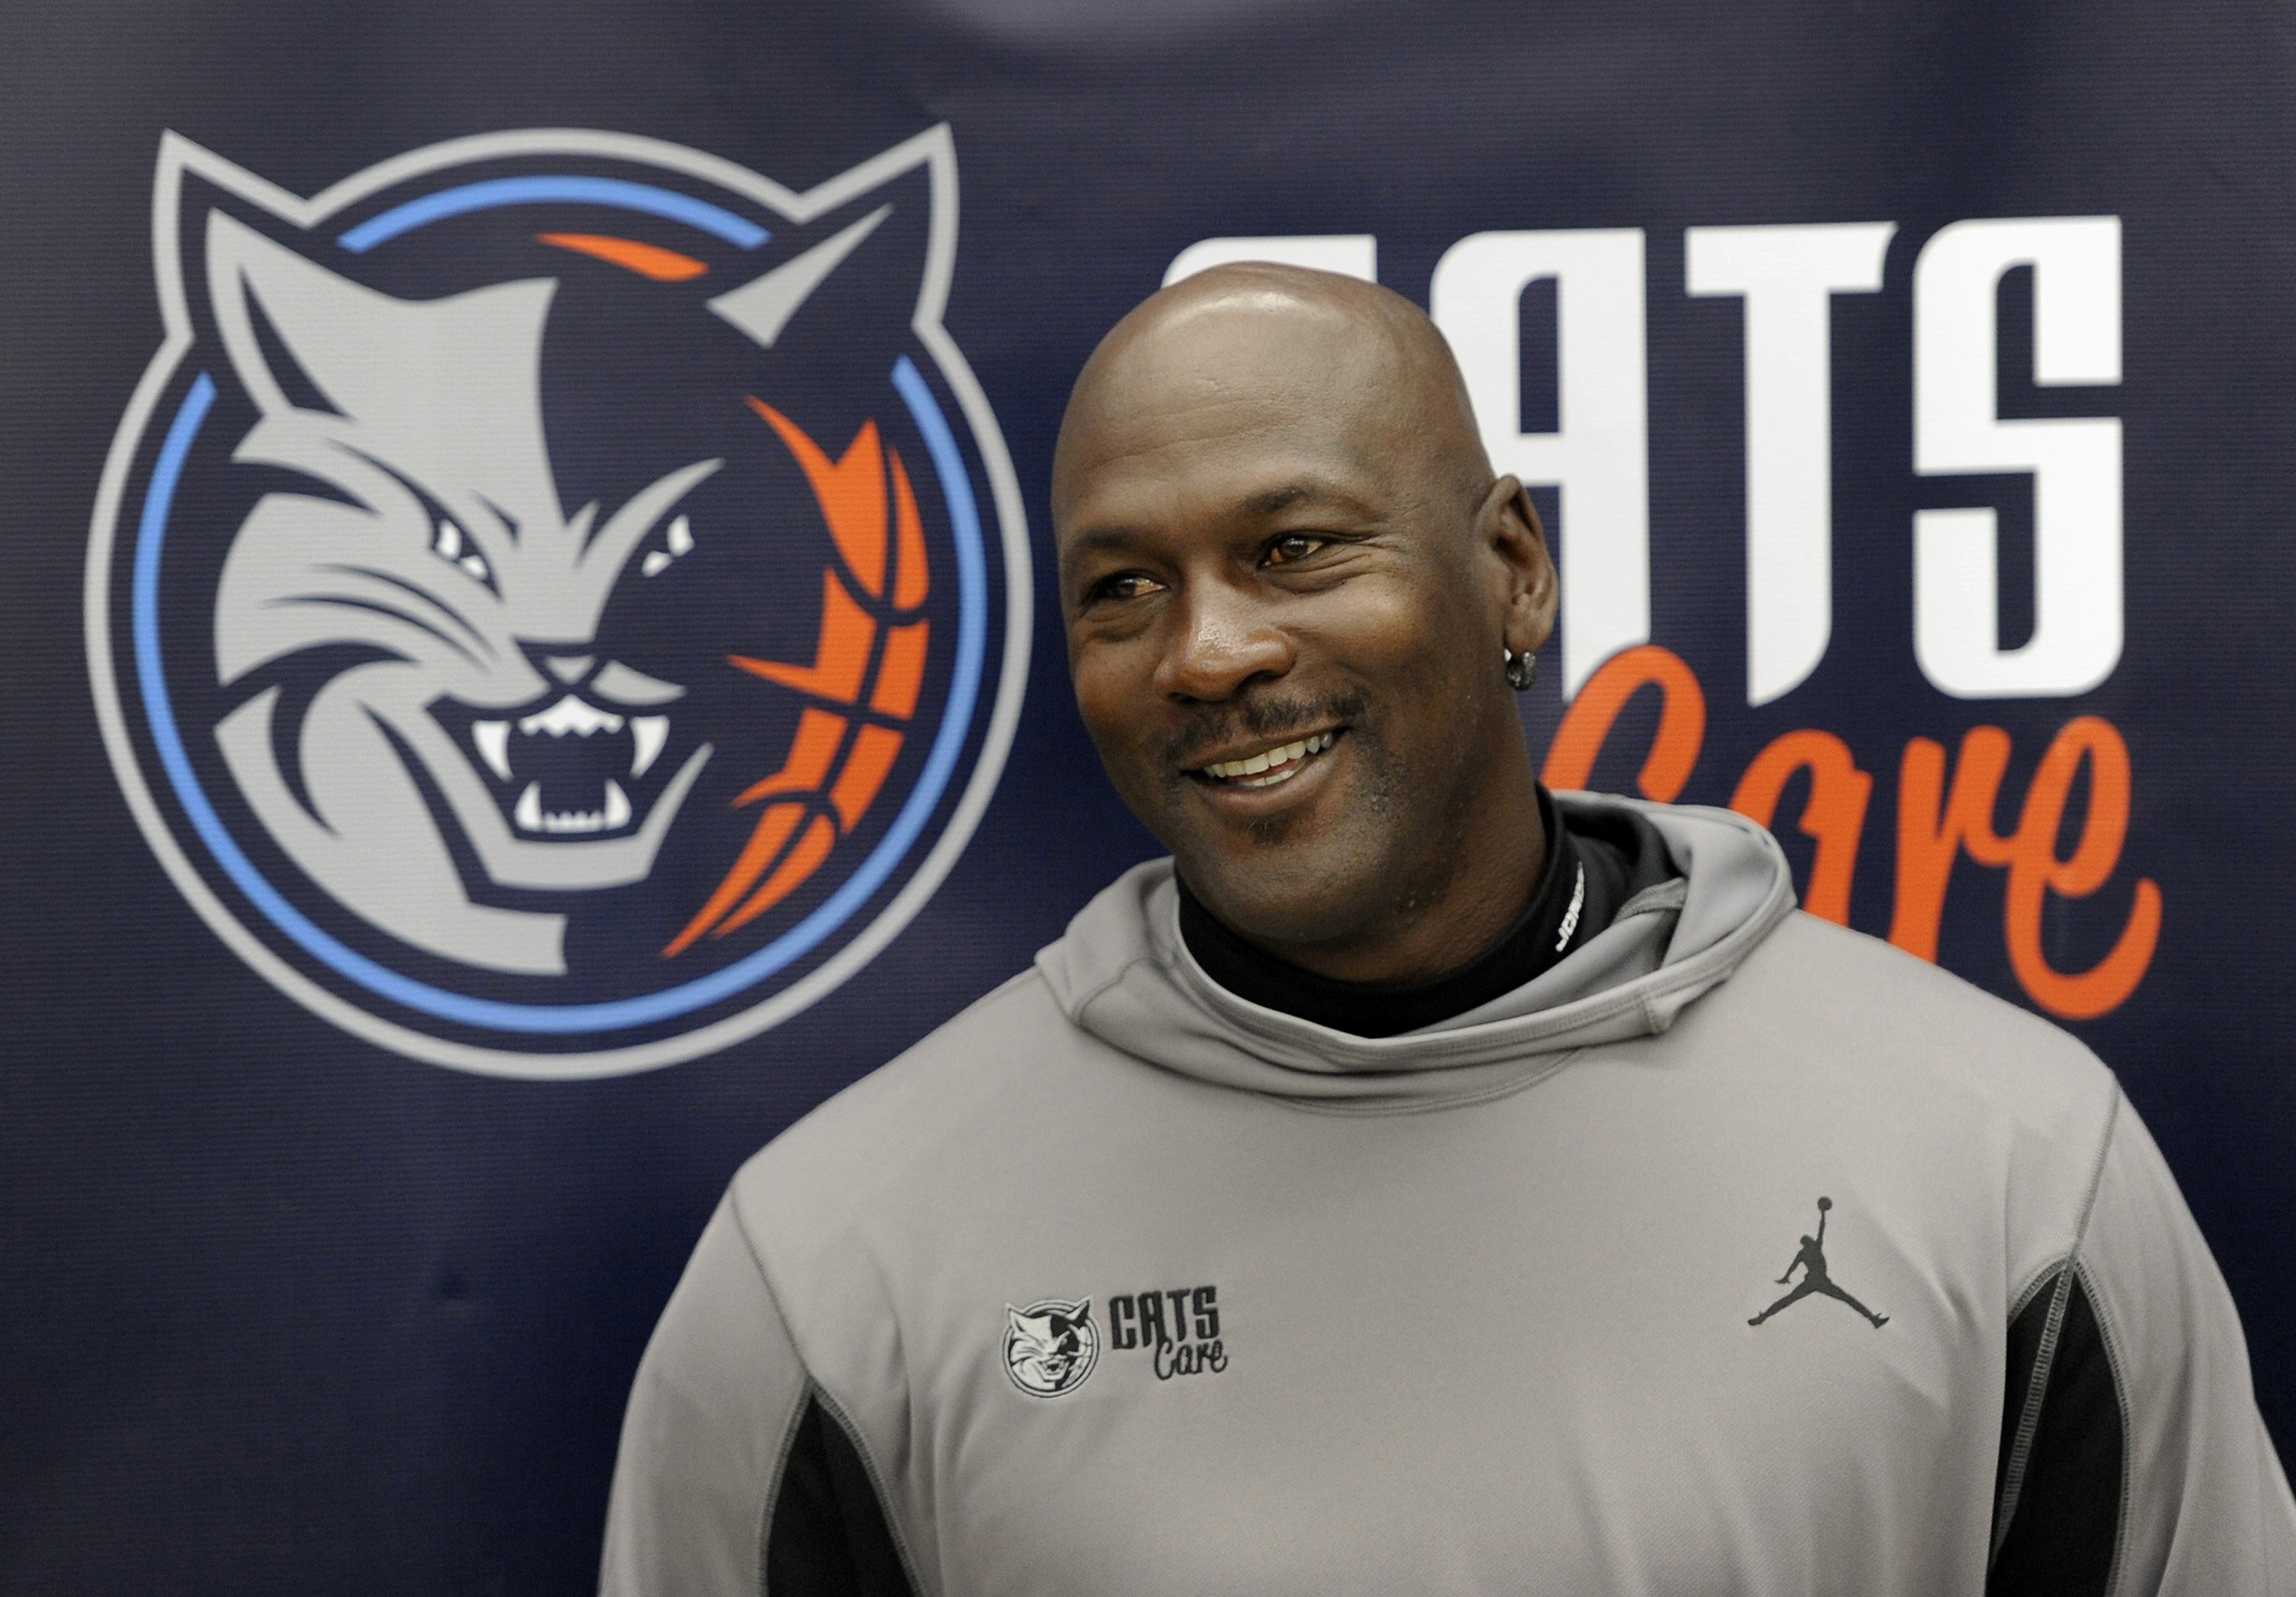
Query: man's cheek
[[1111, 719]]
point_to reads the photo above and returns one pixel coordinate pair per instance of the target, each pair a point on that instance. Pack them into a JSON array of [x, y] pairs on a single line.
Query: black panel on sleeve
[[826, 1532], [2067, 1523], [2024, 1352]]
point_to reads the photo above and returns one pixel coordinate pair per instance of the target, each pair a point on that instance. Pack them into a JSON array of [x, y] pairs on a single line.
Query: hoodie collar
[[1124, 973]]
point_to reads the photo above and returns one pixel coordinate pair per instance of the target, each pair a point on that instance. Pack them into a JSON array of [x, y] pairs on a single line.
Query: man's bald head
[[1362, 358]]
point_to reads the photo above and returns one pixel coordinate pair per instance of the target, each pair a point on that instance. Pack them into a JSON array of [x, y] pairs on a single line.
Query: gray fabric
[[1483, 1314], [1124, 973], [717, 1398]]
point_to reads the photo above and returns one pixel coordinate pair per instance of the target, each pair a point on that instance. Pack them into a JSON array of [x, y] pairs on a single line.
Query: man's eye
[[1292, 546], [1124, 585]]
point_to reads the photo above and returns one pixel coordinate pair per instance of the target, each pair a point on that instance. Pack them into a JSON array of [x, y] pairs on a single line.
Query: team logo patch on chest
[[1051, 1346], [1179, 1328]]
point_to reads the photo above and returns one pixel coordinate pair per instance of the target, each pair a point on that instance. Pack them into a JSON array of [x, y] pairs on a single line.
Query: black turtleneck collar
[[1593, 866]]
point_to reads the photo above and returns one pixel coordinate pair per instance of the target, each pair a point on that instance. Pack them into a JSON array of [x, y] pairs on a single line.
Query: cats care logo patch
[[558, 601], [1051, 1346]]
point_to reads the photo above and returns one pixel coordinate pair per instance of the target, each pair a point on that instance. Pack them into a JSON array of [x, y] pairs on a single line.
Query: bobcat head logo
[[559, 601], [1051, 1346]]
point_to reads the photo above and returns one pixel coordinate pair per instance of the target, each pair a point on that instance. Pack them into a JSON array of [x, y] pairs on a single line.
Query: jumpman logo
[[1811, 1262]]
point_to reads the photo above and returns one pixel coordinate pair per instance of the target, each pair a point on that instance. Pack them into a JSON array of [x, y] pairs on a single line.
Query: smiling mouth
[[1271, 766]]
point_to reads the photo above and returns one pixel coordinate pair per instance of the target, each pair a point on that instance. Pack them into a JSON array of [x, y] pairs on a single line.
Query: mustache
[[1216, 726]]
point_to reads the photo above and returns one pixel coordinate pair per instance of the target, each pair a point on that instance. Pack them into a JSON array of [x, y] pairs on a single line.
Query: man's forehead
[[1245, 407], [1120, 510], [1257, 468]]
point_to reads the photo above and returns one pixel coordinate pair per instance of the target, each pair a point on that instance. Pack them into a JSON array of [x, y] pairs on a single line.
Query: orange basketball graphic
[[848, 740]]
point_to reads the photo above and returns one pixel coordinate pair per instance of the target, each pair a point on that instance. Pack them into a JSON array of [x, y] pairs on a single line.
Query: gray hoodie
[[1119, 1283]]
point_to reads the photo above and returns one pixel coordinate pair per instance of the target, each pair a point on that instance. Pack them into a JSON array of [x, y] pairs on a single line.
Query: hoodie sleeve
[[736, 1474], [2133, 1459], [717, 1397]]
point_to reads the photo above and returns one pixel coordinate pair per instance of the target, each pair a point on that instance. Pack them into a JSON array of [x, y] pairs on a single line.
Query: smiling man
[[1379, 1194], [1291, 583]]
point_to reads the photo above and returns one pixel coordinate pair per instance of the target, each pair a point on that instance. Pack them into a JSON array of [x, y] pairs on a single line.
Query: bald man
[[1378, 1195]]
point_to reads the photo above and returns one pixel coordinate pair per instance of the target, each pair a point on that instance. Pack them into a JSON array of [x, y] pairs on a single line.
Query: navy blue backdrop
[[305, 1286]]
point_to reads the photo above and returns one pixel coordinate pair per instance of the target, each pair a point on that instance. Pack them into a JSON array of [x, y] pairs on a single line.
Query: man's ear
[[1508, 525]]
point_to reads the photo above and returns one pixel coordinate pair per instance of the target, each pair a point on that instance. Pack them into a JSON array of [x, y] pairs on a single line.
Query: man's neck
[[1584, 879], [1476, 882]]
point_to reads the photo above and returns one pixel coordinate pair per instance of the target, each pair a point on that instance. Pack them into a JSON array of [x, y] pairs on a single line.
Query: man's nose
[[1223, 639]]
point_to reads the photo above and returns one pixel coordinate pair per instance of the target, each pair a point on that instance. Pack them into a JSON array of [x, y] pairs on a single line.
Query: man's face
[[1285, 611]]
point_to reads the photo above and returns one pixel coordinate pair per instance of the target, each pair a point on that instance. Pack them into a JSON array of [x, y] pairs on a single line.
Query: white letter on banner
[[2075, 463], [1599, 459], [1788, 275], [1348, 254]]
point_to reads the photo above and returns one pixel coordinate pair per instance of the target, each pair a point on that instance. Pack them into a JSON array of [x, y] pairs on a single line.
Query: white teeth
[[1232, 770], [570, 714], [651, 733], [492, 739], [531, 816]]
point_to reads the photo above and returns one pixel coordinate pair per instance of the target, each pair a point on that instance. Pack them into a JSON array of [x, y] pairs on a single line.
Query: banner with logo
[[537, 660]]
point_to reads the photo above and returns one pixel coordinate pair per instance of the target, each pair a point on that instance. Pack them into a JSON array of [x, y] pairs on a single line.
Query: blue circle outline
[[573, 1018], [618, 193]]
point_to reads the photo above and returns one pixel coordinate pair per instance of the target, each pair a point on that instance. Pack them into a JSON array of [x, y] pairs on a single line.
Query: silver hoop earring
[[1521, 669]]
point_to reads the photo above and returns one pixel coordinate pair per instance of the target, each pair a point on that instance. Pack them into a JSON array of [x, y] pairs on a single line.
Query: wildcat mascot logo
[[558, 601], [1051, 1346]]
